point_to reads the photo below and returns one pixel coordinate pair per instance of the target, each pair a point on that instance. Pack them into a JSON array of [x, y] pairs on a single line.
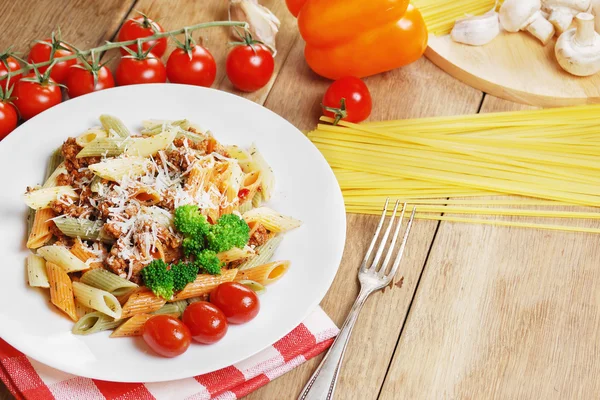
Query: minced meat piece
[[112, 230], [64, 180], [71, 210], [70, 149], [115, 263], [259, 237]]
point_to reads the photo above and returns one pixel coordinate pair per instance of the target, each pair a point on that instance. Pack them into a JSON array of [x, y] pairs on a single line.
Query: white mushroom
[[517, 15], [562, 12], [477, 30], [263, 24], [578, 50]]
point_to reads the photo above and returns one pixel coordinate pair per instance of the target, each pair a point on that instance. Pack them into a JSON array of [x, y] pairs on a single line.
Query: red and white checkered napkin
[[28, 379]]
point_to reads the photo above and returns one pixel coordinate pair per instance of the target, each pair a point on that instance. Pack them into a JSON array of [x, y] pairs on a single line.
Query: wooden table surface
[[484, 312]]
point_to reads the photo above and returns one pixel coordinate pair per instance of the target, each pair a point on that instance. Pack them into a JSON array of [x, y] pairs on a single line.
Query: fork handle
[[322, 383]]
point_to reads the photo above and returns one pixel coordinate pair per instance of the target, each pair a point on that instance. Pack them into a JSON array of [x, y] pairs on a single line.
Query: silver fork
[[321, 385]]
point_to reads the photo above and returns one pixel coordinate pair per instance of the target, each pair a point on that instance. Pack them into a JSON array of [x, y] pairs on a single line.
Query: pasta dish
[[129, 225]]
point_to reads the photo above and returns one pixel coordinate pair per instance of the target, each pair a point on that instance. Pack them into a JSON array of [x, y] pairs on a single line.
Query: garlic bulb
[[263, 24], [477, 30]]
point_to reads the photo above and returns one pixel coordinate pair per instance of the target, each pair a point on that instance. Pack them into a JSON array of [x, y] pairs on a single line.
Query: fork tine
[[392, 273], [388, 256], [363, 265], [383, 242]]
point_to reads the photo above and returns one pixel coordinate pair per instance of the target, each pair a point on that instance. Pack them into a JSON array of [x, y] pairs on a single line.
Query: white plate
[[306, 189]]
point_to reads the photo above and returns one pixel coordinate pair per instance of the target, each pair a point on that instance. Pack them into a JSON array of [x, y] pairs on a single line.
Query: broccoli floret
[[229, 231], [209, 262], [189, 221], [158, 278], [183, 273], [193, 245]]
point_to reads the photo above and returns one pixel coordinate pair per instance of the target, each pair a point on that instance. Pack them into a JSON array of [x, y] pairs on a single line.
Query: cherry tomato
[[295, 6], [33, 97], [81, 81], [8, 119], [197, 68], [132, 71], [238, 303], [13, 65], [357, 97], [140, 27], [166, 335], [250, 67], [206, 322], [40, 52]]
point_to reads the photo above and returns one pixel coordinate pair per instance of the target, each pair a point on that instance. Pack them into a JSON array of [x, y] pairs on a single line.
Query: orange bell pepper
[[359, 37]]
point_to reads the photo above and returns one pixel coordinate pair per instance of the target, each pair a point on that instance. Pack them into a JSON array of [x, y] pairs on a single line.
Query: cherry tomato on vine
[[250, 66], [238, 303], [166, 335], [198, 67], [9, 63], [34, 95], [357, 99], [8, 118], [80, 80], [133, 70], [140, 27], [207, 323], [41, 52]]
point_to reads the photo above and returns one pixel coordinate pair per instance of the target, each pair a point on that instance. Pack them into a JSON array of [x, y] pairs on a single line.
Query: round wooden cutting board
[[514, 66]]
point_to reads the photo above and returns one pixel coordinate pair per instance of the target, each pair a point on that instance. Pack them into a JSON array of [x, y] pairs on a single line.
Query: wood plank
[[216, 39], [503, 313], [86, 24], [418, 90]]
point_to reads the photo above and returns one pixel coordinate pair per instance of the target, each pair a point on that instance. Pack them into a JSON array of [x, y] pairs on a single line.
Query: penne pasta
[[62, 257], [151, 145], [160, 215], [105, 280], [99, 300], [36, 272], [94, 322], [116, 169], [265, 274], [82, 310], [257, 200], [247, 206], [61, 290], [140, 302], [90, 135], [56, 158], [250, 185], [106, 147], [134, 326], [204, 284], [235, 254], [40, 229], [264, 253], [114, 124], [242, 156], [267, 176], [177, 308], [79, 227], [42, 198], [253, 285], [80, 251], [52, 180], [271, 219]]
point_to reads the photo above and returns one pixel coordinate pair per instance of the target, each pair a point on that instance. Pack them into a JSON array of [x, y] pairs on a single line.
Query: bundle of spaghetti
[[440, 15], [549, 158]]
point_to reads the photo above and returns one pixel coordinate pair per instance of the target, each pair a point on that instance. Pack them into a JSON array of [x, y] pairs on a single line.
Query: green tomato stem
[[114, 45]]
